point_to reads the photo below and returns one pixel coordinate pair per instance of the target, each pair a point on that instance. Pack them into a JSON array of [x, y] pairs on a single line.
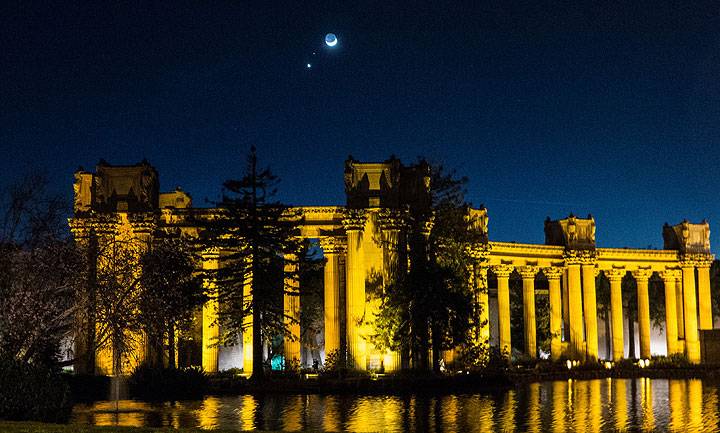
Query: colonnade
[[573, 306]]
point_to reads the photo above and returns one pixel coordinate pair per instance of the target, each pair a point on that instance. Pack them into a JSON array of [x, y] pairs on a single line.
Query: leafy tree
[[254, 234], [171, 291]]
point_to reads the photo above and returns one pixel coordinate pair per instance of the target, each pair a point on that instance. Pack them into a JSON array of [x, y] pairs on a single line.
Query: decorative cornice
[[699, 260]]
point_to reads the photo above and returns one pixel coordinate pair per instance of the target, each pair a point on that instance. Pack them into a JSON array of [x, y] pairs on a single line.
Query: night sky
[[548, 108]]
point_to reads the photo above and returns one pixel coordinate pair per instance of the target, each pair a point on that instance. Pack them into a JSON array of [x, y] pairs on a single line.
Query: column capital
[[552, 273], [642, 274], [354, 219], [699, 260], [392, 219], [527, 272], [615, 274], [580, 257], [502, 271], [479, 252], [670, 275], [333, 245]]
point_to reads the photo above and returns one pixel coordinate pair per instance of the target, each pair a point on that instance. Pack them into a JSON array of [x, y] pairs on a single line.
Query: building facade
[[363, 241]]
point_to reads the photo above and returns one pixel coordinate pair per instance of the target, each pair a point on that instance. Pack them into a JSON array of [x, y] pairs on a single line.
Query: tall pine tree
[[254, 235]]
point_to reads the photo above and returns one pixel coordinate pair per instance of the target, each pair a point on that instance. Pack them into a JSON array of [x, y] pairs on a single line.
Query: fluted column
[[355, 287], [643, 303], [391, 223], [332, 247], [528, 281], [616, 312], [590, 311], [704, 300], [671, 325], [680, 304], [502, 272], [210, 328], [692, 343], [553, 275], [575, 310], [292, 311]]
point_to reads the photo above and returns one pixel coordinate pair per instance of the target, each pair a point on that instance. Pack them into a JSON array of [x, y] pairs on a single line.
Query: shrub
[[676, 360], [33, 393], [152, 383]]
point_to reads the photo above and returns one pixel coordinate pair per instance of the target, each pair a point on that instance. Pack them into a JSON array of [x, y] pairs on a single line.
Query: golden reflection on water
[[560, 406]]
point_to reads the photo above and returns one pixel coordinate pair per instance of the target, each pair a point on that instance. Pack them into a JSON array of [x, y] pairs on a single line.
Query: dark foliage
[[32, 392], [151, 383]]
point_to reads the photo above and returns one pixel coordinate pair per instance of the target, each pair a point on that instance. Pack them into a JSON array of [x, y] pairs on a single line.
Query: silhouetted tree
[[253, 233]]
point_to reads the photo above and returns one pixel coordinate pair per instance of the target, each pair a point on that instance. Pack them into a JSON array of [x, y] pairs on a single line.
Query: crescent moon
[[331, 40]]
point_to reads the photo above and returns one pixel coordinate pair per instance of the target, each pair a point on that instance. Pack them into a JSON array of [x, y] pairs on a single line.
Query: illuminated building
[[364, 243]]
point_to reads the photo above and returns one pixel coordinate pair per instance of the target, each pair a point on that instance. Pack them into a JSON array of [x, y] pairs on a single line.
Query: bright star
[[309, 66]]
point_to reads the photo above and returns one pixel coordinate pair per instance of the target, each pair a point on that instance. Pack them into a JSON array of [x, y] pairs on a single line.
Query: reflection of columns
[[210, 328], [332, 249], [616, 312], [355, 288], [692, 344], [247, 331], [704, 300], [620, 403], [590, 311], [671, 324], [292, 310], [528, 282], [553, 276], [643, 305], [575, 310], [503, 276]]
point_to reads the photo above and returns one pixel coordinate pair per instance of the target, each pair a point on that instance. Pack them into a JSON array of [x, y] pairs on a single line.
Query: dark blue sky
[[548, 107]]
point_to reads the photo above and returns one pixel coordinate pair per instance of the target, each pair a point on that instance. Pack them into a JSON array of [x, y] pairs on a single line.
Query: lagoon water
[[601, 405]]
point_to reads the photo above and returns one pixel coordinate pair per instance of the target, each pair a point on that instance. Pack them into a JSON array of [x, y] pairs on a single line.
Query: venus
[[331, 40]]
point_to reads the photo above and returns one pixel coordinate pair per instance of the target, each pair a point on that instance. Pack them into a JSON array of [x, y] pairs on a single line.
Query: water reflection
[[561, 406]]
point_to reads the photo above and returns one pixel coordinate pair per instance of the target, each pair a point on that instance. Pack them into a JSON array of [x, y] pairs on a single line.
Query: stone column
[[565, 306], [391, 222], [291, 298], [680, 303], [692, 342], [210, 328], [575, 310], [483, 302], [616, 311], [355, 287], [332, 247], [503, 276], [704, 300], [528, 281], [643, 303], [671, 325], [247, 333], [553, 275], [590, 311]]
